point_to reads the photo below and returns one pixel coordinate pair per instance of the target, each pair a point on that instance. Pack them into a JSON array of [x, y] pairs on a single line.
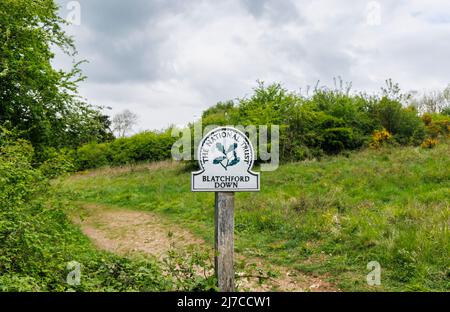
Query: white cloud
[[169, 60]]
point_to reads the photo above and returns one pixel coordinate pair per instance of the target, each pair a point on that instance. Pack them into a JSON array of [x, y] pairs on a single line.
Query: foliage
[[57, 162], [38, 101], [148, 145], [429, 143], [92, 155], [219, 114], [436, 125], [403, 123], [446, 111], [380, 137], [192, 269], [328, 122], [37, 240], [330, 217]]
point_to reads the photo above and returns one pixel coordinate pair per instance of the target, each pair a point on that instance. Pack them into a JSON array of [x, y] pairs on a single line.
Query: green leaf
[[218, 160], [220, 148], [234, 162], [232, 147]]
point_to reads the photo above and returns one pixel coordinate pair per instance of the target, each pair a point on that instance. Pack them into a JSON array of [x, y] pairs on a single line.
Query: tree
[[123, 122], [434, 101], [36, 100], [103, 133]]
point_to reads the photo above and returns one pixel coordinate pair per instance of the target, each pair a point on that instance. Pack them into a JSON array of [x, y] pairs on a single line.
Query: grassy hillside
[[330, 217]]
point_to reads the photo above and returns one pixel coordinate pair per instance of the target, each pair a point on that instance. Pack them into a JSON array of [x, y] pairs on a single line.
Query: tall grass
[[332, 217]]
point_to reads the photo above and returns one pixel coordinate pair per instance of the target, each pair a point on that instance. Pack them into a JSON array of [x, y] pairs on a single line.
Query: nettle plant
[[229, 157]]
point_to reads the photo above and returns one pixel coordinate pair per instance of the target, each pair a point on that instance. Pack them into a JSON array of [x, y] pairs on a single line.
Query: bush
[[403, 123], [145, 146], [429, 143], [58, 163], [436, 125], [327, 122], [92, 155], [37, 240], [380, 138], [337, 139]]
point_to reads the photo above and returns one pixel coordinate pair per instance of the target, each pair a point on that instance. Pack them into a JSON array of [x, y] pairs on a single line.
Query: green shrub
[[446, 111], [145, 146], [403, 123], [58, 163], [337, 139], [37, 240], [436, 125], [327, 122], [92, 155]]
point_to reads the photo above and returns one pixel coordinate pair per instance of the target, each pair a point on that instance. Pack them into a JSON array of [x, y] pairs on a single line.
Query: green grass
[[327, 218]]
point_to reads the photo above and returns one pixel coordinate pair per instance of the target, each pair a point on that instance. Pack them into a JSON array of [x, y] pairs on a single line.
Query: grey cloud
[[119, 17], [255, 7], [168, 60], [120, 41], [276, 11]]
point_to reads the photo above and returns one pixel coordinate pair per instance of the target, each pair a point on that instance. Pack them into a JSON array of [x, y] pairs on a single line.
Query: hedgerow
[[328, 122], [38, 241], [145, 146]]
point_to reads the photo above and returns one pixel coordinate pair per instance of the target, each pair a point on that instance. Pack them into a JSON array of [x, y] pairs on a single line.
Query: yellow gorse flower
[[380, 136], [429, 143]]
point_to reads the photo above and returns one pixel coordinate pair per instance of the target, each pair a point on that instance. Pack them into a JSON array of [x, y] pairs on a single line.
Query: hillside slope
[[327, 218]]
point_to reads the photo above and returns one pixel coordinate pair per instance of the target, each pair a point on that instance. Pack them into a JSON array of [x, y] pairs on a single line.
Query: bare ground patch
[[126, 232]]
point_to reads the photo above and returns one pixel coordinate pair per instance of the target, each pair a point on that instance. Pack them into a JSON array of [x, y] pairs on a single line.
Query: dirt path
[[126, 232]]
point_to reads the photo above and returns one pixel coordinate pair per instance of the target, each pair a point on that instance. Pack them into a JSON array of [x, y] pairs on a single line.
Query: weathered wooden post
[[224, 240], [226, 158]]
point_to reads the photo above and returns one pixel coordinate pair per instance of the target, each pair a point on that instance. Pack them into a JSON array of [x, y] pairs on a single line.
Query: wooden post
[[224, 240]]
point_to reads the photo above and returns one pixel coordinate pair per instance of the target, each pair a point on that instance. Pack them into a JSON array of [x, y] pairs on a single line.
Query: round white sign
[[225, 156]]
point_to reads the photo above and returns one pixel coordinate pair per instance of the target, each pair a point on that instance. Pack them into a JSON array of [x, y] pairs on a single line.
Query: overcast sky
[[169, 60]]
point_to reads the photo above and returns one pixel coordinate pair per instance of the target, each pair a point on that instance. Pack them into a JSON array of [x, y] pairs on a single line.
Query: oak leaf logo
[[229, 156]]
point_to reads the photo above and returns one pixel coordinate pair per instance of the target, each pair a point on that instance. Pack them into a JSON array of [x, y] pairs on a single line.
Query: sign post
[[226, 158], [224, 240]]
